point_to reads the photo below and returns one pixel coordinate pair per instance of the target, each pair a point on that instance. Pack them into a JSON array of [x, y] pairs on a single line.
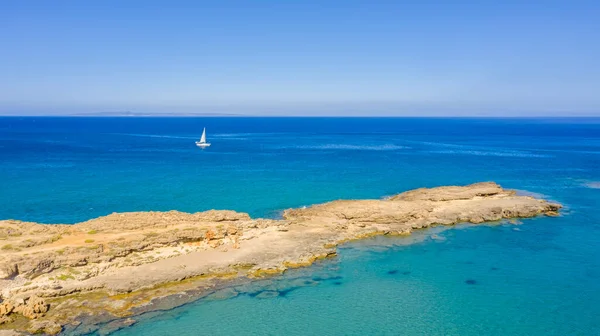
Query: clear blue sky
[[301, 57]]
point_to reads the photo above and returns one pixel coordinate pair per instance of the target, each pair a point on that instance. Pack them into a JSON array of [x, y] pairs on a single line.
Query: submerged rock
[[44, 327], [223, 294], [267, 294]]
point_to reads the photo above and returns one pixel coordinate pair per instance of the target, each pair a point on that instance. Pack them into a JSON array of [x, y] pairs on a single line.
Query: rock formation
[[132, 254]]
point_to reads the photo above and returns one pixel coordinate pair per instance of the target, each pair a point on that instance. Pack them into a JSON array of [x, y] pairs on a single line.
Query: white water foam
[[385, 147], [481, 151], [441, 144], [231, 135], [495, 153], [570, 151], [592, 184], [243, 135], [47, 165]]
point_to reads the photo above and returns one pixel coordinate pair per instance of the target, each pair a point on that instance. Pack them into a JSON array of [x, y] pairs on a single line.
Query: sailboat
[[202, 143]]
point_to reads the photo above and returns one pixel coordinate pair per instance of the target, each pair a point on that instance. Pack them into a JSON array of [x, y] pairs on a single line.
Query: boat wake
[[155, 136]]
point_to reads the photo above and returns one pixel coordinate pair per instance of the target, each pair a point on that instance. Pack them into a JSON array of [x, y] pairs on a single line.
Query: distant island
[[149, 114], [53, 277], [124, 114]]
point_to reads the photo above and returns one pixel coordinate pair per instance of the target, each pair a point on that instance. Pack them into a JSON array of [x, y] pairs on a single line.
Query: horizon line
[[293, 116]]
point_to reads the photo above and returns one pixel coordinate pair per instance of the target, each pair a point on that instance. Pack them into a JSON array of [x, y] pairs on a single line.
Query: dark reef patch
[[337, 283], [470, 282], [286, 291], [392, 272], [253, 294]]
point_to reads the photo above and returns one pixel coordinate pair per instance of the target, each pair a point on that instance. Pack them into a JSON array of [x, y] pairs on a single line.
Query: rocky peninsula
[[54, 276]]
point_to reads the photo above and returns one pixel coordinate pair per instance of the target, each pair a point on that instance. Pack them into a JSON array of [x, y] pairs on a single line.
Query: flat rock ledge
[[52, 275]]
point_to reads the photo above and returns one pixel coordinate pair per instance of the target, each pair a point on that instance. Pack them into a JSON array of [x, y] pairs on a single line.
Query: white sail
[[203, 138]]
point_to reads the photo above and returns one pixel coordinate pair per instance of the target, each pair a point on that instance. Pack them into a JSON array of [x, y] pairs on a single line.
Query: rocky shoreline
[[53, 277]]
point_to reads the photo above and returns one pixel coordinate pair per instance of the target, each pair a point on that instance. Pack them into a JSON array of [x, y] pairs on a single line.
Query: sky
[[487, 58]]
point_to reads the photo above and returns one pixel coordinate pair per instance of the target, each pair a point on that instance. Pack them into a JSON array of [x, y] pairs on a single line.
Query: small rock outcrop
[[32, 307]]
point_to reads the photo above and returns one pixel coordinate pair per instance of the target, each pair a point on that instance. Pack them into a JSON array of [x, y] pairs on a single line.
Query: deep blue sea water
[[541, 277]]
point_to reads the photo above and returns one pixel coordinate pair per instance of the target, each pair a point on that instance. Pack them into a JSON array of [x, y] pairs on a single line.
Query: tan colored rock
[[482, 189], [5, 319], [232, 231], [8, 271], [6, 308], [35, 307]]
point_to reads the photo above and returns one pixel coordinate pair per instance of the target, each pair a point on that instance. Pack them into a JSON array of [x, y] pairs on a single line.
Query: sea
[[534, 277]]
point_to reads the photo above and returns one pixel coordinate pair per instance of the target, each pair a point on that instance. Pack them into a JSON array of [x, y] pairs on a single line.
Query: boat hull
[[202, 144]]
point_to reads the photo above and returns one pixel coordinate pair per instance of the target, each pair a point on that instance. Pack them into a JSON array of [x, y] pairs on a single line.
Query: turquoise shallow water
[[538, 278]]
